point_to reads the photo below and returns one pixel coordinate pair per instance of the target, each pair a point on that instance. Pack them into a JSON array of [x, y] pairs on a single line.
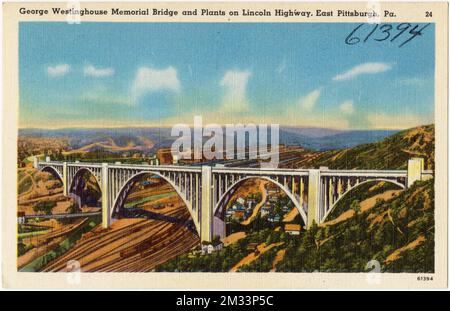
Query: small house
[[210, 248], [207, 249], [292, 229]]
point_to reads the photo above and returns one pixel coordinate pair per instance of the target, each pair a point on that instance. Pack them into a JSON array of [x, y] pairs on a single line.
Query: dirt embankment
[[233, 238], [263, 191], [262, 248], [365, 206], [279, 257], [291, 215], [35, 187], [398, 252]]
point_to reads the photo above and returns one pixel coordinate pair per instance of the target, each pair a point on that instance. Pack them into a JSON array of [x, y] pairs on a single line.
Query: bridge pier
[[415, 168], [313, 197], [35, 162], [64, 180], [206, 212], [106, 205]]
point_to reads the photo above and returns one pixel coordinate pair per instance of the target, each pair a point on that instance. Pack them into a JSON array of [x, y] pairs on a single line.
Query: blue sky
[[159, 74]]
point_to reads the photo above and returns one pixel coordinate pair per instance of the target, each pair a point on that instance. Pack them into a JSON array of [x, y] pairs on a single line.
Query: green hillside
[[398, 233], [375, 221], [391, 153]]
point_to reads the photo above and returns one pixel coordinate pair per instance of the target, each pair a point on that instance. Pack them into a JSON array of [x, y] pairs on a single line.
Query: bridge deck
[[225, 169]]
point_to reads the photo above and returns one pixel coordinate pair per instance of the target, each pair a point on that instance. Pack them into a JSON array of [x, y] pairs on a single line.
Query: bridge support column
[[301, 190], [64, 179], [415, 168], [313, 196], [106, 213], [35, 162], [206, 215], [330, 193]]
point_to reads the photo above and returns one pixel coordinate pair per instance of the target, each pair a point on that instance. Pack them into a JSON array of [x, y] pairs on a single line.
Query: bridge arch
[[395, 182], [55, 173], [80, 172], [73, 187], [221, 203], [125, 190]]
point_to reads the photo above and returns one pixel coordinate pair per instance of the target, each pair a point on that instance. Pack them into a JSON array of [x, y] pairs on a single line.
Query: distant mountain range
[[391, 152], [329, 139], [150, 139]]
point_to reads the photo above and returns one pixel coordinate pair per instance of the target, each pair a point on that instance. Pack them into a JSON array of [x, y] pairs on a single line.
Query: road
[[263, 191]]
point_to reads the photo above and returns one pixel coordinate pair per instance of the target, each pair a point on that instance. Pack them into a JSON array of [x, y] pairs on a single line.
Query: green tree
[[73, 208], [45, 207], [270, 239], [356, 207]]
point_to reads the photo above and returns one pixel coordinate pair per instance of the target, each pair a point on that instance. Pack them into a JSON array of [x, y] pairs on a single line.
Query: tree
[[73, 208], [216, 240], [270, 239], [226, 265], [355, 207], [45, 207]]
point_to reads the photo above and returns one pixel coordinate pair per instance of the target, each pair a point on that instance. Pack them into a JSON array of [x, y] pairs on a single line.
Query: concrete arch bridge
[[206, 190]]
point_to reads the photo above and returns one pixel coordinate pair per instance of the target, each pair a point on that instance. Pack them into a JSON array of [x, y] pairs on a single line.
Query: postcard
[[276, 145]]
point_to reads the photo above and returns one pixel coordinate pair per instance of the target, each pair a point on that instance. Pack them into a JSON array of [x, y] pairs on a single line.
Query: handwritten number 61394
[[382, 32]]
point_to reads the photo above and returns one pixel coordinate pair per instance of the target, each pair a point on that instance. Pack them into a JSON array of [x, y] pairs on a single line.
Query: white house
[[209, 249], [292, 229]]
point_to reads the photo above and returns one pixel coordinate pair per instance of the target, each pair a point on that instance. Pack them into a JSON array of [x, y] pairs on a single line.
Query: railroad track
[[140, 246]]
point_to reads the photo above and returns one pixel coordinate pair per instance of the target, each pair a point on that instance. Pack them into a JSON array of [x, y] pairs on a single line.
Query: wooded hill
[[392, 152], [398, 233]]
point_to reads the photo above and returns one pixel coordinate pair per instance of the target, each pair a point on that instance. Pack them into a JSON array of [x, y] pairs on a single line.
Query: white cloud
[[366, 68], [309, 101], [58, 70], [347, 107], [235, 82], [150, 80], [90, 70], [395, 122]]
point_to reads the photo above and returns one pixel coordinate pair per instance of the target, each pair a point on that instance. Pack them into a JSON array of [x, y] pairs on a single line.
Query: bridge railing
[[50, 163], [157, 167], [237, 170], [89, 164], [260, 171], [365, 173]]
